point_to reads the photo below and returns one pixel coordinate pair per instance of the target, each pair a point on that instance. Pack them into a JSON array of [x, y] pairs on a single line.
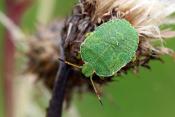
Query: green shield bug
[[109, 48]]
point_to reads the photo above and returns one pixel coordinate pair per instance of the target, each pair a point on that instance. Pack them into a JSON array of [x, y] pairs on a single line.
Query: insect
[[109, 48]]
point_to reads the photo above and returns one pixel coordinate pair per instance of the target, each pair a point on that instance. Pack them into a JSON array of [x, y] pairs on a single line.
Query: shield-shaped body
[[109, 48]]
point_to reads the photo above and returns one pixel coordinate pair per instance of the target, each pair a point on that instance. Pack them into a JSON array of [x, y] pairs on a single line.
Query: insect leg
[[96, 92], [71, 64]]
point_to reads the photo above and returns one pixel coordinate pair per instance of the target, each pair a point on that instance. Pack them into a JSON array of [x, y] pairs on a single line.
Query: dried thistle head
[[145, 16]]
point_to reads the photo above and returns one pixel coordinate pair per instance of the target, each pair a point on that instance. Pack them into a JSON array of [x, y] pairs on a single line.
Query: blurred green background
[[1, 63], [151, 93]]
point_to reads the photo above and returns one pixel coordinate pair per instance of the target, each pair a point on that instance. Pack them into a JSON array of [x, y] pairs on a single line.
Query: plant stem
[[14, 11], [56, 102]]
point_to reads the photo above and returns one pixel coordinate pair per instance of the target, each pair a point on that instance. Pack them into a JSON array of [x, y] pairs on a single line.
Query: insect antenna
[[95, 89], [69, 63]]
